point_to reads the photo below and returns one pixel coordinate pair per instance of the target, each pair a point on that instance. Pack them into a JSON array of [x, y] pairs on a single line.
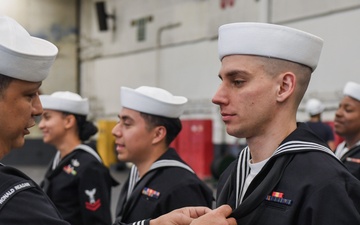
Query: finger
[[231, 221], [224, 210], [195, 212]]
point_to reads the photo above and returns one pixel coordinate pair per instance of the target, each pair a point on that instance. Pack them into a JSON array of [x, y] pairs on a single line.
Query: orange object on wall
[[195, 147]]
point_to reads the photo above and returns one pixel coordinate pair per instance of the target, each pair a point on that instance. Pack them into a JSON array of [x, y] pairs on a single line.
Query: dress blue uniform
[[17, 189], [302, 183], [161, 190], [80, 187]]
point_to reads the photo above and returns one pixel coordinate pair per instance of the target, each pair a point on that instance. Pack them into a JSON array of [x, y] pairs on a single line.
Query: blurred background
[[172, 44]]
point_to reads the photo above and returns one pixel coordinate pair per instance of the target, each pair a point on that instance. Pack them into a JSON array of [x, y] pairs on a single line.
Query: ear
[[287, 83], [159, 134], [69, 121]]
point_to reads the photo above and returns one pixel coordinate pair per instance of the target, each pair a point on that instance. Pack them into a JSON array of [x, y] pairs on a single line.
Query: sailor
[[314, 107], [76, 181], [347, 125], [25, 62], [286, 174], [159, 181]]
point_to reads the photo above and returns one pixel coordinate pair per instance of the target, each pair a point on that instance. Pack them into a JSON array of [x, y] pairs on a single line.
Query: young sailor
[[76, 181], [347, 125], [286, 174], [160, 181]]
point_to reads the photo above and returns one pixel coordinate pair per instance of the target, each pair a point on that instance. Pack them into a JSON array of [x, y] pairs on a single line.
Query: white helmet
[[314, 107]]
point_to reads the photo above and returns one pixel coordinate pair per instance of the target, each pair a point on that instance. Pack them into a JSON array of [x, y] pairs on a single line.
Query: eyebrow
[[35, 88], [46, 113], [234, 73], [125, 117]]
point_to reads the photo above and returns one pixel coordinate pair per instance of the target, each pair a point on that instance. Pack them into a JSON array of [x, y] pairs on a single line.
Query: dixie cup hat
[[23, 56], [66, 101], [314, 107], [153, 100], [352, 89], [269, 40]]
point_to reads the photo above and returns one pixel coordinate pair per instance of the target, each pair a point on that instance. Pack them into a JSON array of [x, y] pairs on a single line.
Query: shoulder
[[9, 175], [317, 166], [172, 178], [172, 173], [16, 186], [85, 158]]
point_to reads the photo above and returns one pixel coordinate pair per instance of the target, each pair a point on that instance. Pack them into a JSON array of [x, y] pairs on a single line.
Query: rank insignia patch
[[150, 192], [92, 204], [279, 198]]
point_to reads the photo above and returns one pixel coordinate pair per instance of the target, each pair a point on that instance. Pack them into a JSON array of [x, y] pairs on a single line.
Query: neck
[[314, 119], [144, 166], [68, 146], [351, 141], [264, 145]]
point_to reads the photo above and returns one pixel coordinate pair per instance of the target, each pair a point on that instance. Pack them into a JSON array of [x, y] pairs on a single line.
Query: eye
[[31, 96], [238, 82], [348, 110], [127, 124], [124, 123]]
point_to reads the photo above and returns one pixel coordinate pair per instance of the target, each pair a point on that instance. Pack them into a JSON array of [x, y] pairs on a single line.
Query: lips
[[119, 147], [26, 131], [337, 122], [339, 125], [226, 116]]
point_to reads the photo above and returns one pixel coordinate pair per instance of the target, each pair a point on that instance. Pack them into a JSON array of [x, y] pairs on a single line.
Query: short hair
[[172, 125], [4, 83], [273, 67]]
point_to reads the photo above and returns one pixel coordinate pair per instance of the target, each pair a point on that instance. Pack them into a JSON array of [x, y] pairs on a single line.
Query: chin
[[121, 158], [18, 143], [46, 140]]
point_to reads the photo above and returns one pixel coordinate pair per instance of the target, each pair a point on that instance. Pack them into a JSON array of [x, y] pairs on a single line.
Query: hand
[[217, 217], [182, 216]]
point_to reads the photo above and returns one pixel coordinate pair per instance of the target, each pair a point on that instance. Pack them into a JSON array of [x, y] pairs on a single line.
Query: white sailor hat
[[314, 106], [269, 40], [22, 56], [153, 100], [352, 89], [65, 101]]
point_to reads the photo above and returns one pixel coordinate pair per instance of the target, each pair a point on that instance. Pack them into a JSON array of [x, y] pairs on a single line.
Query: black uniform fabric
[[298, 187], [351, 160], [176, 188], [23, 202], [80, 187], [323, 130]]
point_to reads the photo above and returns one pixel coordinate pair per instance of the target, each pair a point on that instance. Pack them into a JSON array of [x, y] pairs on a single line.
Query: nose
[[116, 131], [37, 107], [338, 112], [220, 97], [41, 124]]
